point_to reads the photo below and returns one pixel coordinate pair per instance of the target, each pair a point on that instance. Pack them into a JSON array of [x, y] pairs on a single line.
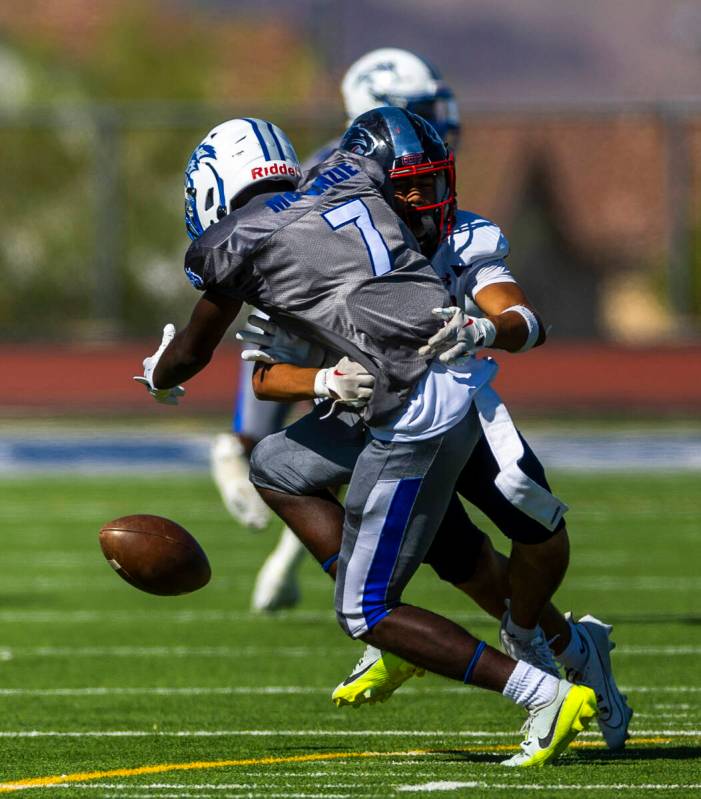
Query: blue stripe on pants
[[385, 558]]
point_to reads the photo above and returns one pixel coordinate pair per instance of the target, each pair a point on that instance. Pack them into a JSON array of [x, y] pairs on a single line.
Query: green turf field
[[128, 695]]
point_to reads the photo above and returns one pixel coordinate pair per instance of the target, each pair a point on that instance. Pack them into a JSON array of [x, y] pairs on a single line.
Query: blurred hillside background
[[581, 138]]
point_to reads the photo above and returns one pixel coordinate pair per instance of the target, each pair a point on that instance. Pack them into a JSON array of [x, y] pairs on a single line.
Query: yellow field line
[[85, 776]]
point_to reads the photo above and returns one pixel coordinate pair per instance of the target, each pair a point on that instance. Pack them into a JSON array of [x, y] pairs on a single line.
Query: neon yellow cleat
[[376, 676], [551, 728]]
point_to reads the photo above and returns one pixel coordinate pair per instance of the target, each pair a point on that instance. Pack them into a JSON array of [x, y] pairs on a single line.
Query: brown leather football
[[155, 554]]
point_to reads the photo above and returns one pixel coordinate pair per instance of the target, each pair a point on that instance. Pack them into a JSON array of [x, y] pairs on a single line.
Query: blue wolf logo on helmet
[[192, 220]]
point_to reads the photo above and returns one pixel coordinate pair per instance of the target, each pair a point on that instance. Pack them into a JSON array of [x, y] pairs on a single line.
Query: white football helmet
[[230, 158], [390, 76]]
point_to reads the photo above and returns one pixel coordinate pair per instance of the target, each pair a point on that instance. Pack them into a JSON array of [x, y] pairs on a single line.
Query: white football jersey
[[471, 258]]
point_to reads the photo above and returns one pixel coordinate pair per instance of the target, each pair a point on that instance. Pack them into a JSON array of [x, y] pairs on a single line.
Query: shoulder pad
[[194, 266], [475, 239], [213, 258]]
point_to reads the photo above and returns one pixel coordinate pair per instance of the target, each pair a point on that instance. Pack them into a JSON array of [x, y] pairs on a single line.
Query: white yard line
[[267, 690], [662, 689], [642, 583], [264, 787], [102, 583], [105, 584], [667, 651], [265, 792], [374, 733], [10, 653], [445, 785], [272, 690], [72, 617]]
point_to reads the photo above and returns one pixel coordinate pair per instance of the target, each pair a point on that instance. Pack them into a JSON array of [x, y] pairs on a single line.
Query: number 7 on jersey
[[355, 212]]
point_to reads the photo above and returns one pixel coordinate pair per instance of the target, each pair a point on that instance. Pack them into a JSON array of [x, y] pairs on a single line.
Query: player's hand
[[460, 336], [347, 382], [166, 396], [276, 345]]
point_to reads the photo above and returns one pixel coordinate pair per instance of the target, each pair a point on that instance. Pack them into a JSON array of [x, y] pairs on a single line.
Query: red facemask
[[443, 209]]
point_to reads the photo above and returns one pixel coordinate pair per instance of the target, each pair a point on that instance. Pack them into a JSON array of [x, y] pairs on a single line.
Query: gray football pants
[[396, 500]]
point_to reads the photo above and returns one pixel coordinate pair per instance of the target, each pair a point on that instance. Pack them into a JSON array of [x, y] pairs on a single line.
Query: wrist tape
[[320, 387], [531, 323]]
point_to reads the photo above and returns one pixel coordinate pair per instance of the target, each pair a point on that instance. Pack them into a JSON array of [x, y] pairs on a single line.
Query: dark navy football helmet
[[420, 168]]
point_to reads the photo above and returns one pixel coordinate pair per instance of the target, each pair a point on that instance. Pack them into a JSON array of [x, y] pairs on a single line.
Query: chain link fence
[[93, 239]]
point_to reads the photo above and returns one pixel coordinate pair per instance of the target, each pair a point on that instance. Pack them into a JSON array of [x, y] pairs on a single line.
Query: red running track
[[556, 378]]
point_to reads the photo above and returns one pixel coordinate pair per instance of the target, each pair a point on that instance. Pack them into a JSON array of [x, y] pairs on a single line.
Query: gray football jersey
[[333, 263]]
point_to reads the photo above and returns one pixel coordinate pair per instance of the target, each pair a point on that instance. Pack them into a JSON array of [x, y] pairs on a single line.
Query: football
[[155, 554]]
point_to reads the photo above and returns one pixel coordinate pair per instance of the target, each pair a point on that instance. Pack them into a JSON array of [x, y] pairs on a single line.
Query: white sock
[[522, 633], [530, 687], [574, 655]]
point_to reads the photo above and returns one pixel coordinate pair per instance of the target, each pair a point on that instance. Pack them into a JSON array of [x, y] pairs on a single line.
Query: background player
[[385, 77]]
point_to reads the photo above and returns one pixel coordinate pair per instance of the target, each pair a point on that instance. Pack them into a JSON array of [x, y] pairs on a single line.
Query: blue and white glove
[[462, 335], [166, 396], [276, 345]]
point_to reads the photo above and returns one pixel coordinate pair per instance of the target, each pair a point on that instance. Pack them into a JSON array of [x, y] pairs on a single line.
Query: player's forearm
[[192, 348], [513, 331], [179, 362], [517, 323], [284, 382]]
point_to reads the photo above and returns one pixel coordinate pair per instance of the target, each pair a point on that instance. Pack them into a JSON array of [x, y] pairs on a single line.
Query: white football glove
[[461, 335], [276, 345], [166, 396], [347, 382]]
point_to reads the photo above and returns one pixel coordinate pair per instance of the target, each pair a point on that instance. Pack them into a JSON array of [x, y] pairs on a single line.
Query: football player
[[329, 260], [503, 477], [387, 76]]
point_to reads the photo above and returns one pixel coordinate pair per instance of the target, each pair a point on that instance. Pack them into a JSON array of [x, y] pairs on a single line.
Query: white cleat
[[534, 651], [614, 713], [230, 472], [277, 585], [551, 728]]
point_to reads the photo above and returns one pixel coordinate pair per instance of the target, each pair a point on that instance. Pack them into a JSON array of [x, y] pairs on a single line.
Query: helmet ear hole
[[209, 199]]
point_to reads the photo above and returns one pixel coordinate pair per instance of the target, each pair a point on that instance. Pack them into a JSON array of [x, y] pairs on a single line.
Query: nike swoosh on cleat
[[544, 743], [354, 677]]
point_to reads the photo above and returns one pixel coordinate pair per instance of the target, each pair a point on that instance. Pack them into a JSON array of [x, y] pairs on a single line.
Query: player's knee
[[347, 623], [559, 545], [261, 462], [355, 625], [543, 539], [270, 469], [359, 611], [359, 617]]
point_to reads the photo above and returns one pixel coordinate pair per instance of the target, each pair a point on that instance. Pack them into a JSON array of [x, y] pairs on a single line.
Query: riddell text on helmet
[[274, 169]]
